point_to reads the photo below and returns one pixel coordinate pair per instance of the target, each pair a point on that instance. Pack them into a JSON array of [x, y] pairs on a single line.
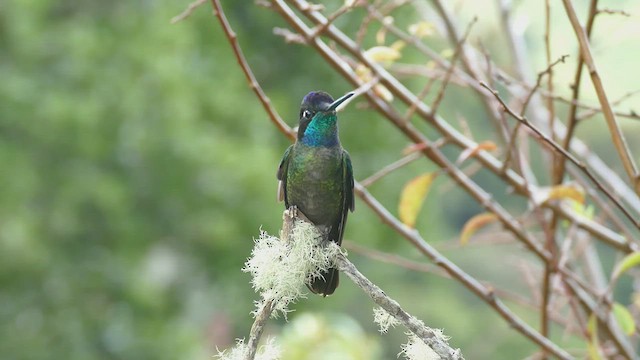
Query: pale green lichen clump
[[416, 349], [269, 351], [384, 319], [280, 268]]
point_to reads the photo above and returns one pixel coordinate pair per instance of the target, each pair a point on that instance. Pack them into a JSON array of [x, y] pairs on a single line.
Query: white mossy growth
[[280, 268], [416, 349], [384, 319], [268, 351]]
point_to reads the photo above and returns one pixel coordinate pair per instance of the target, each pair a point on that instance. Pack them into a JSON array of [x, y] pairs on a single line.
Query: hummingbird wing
[[282, 175], [348, 202], [348, 181]]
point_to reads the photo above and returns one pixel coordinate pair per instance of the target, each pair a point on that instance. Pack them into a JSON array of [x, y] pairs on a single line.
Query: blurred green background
[[137, 166]]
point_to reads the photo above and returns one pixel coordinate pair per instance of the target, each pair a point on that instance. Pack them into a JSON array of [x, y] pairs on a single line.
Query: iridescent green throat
[[322, 130]]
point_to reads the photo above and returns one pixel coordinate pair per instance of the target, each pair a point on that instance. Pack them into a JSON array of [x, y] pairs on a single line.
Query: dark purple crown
[[316, 100]]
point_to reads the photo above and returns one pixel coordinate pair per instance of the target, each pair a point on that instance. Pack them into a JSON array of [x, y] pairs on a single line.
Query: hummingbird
[[316, 176]]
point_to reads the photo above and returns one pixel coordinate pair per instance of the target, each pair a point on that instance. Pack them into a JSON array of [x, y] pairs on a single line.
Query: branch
[[555, 146], [262, 315], [484, 293], [616, 134], [431, 338], [253, 83], [575, 86]]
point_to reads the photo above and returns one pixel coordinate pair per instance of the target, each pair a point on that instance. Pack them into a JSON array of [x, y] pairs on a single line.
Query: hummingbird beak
[[334, 105]]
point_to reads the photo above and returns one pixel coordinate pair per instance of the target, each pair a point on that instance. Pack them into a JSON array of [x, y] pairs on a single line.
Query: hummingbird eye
[[306, 114]]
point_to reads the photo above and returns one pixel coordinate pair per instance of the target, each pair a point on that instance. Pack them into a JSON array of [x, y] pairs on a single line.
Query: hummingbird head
[[317, 119]]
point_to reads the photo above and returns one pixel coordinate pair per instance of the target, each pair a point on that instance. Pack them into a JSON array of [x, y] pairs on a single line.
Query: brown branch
[[559, 170], [617, 136], [246, 69], [262, 315]]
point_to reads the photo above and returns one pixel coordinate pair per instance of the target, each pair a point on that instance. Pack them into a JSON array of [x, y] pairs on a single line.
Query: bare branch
[[616, 134], [432, 338], [564, 153], [253, 83]]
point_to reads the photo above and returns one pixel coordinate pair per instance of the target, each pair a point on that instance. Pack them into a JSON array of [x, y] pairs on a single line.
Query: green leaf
[[624, 319], [627, 263]]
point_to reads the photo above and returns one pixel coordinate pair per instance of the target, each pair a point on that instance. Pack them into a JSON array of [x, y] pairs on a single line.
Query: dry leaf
[[467, 153], [559, 192], [474, 224], [412, 198]]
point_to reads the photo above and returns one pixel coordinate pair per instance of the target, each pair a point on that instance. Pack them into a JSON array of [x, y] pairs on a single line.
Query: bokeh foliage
[[137, 166]]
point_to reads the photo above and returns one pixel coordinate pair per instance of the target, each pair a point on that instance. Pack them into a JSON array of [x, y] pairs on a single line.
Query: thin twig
[[390, 168], [188, 11], [447, 75], [253, 83]]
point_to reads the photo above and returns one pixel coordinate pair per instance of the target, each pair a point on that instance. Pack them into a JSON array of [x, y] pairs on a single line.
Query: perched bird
[[316, 176]]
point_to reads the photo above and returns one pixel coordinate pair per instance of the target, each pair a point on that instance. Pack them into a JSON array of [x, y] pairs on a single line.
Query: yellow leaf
[[629, 261], [592, 346], [467, 153], [398, 45], [567, 192], [446, 53], [624, 319], [381, 35], [421, 29], [382, 54], [472, 225], [559, 192], [594, 353], [412, 198]]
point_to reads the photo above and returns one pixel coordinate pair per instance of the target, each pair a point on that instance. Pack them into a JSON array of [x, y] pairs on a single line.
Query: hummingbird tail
[[326, 284]]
